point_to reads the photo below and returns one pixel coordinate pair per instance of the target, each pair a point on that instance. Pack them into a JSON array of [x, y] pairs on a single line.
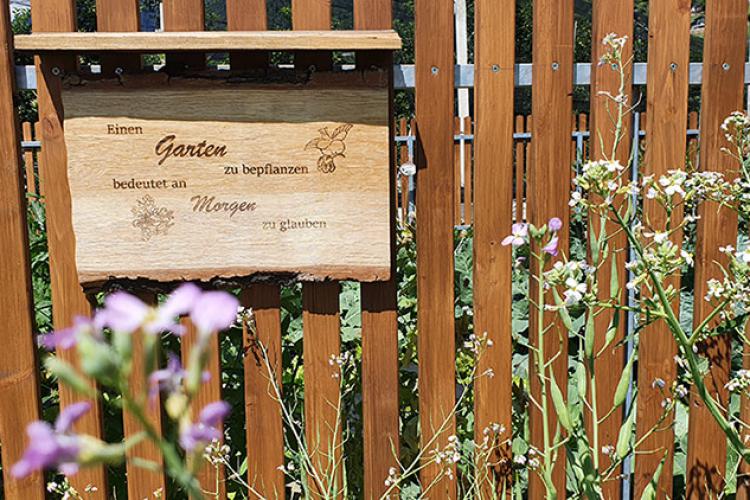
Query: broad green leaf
[[559, 403]]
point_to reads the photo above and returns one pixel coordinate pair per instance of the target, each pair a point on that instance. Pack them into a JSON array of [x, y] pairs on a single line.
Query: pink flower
[[206, 429], [551, 247], [68, 337], [52, 448], [179, 303], [518, 237], [123, 312], [214, 311], [555, 224]]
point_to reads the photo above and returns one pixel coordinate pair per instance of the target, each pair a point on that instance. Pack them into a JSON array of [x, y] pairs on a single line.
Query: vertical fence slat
[[28, 160], [436, 344], [494, 121], [265, 433], [380, 364], [609, 16], [124, 15], [549, 178], [184, 15], [68, 299], [19, 386], [208, 475], [320, 304], [668, 59], [722, 93], [264, 427]]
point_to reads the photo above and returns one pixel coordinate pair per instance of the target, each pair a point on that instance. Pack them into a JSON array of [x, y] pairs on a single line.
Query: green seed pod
[[559, 403]]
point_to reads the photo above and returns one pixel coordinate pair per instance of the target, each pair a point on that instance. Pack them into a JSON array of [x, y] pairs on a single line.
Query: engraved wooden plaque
[[195, 181]]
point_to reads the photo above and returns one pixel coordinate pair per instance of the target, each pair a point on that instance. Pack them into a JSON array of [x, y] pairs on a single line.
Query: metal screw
[[495, 68], [56, 71], [614, 66], [312, 68], [555, 66], [726, 66], [119, 71], [435, 70], [673, 67]]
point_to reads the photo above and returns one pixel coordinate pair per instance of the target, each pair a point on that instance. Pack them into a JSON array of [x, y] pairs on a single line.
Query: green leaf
[[557, 400], [622, 386], [589, 337], [626, 431], [614, 280], [649, 492]]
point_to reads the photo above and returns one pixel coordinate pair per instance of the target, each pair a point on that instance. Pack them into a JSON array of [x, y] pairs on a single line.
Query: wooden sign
[[201, 180]]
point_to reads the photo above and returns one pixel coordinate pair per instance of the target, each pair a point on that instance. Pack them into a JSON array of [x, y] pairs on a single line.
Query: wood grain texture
[[68, 299], [668, 58], [19, 385], [609, 16], [185, 15], [722, 93], [380, 363], [265, 434], [206, 41], [493, 214], [303, 212], [247, 15], [122, 16], [320, 312], [211, 477], [321, 348], [436, 343], [549, 180], [264, 427], [141, 482]]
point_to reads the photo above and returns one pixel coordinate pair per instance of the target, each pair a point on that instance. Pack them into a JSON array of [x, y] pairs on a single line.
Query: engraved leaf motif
[[340, 133]]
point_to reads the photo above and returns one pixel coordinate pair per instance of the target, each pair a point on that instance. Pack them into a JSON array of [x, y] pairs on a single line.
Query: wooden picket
[[609, 16], [668, 114], [68, 300], [549, 179], [722, 94], [19, 383], [493, 207], [499, 180], [434, 110]]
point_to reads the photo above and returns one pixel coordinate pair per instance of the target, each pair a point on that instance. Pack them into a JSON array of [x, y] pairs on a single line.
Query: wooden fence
[[498, 173]]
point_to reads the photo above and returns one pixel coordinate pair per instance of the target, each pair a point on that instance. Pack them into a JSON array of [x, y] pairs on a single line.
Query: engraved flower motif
[[151, 219], [331, 145]]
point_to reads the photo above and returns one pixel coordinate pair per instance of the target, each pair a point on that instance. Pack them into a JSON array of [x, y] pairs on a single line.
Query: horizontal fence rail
[[403, 75]]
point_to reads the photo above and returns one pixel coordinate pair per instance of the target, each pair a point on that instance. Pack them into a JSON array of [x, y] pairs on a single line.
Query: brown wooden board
[[320, 316], [549, 180], [265, 438], [28, 160], [179, 175], [68, 300], [434, 156], [668, 59], [380, 353], [609, 16], [264, 428], [723, 91], [19, 383], [493, 215]]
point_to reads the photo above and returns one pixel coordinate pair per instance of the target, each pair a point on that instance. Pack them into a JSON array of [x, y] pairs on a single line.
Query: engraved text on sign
[[180, 183]]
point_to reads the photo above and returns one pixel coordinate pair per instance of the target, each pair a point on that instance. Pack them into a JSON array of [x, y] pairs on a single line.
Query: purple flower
[[205, 430], [555, 224], [123, 312], [68, 337], [52, 448], [179, 303], [518, 237], [167, 379], [551, 247], [214, 311]]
